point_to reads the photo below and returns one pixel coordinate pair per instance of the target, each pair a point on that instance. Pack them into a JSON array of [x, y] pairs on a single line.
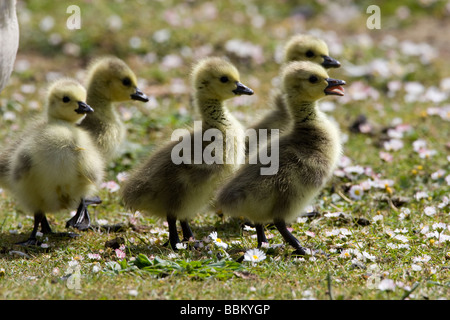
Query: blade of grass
[[408, 293]]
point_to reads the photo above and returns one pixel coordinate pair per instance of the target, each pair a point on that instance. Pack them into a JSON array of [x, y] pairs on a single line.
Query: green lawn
[[383, 228]]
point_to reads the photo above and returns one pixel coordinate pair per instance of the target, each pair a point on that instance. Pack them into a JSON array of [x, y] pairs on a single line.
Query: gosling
[[109, 80], [179, 191], [9, 39], [308, 154], [299, 48], [55, 163]]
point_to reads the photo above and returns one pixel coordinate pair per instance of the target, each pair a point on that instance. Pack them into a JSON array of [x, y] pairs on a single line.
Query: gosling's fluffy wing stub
[[23, 165]]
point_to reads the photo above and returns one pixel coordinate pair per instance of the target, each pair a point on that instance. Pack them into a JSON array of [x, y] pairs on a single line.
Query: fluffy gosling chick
[[56, 163], [308, 155], [299, 48], [9, 39], [179, 191], [109, 80]]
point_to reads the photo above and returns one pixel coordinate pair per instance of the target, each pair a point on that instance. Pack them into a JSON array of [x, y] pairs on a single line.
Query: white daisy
[[218, 242], [254, 255], [424, 258], [387, 285], [356, 192], [181, 246], [430, 211]]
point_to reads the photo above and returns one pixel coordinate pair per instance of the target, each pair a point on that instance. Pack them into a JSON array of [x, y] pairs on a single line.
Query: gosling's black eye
[[309, 54], [313, 79], [126, 82], [224, 79], [66, 99]]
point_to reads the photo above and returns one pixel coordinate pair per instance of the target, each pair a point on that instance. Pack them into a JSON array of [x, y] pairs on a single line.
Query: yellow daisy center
[[255, 257]]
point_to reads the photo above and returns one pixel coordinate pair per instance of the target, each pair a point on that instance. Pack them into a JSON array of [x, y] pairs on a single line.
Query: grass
[[374, 251]]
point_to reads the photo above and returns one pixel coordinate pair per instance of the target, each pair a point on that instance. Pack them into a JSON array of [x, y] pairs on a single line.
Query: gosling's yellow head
[[305, 81], [66, 101], [217, 78], [309, 48], [111, 78]]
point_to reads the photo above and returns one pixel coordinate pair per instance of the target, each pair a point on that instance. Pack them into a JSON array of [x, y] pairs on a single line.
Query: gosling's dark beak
[[139, 95], [241, 89], [329, 62], [83, 108], [334, 87]]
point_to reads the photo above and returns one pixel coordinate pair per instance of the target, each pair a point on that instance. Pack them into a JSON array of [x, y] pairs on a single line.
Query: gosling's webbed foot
[[29, 242], [71, 235], [81, 220], [299, 252], [39, 217]]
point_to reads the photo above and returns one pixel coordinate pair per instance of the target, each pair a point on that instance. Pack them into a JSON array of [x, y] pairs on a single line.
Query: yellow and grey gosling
[[308, 154], [109, 80], [54, 163], [179, 191], [299, 48], [9, 39]]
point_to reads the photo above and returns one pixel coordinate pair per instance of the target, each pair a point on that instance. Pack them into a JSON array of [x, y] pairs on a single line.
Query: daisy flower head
[[94, 256], [356, 192], [120, 254], [254, 255], [401, 238], [416, 267], [346, 253], [425, 258], [387, 285], [393, 145], [217, 241], [421, 195], [378, 217], [404, 213], [430, 211], [439, 226], [111, 186], [122, 176], [438, 174], [368, 256]]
